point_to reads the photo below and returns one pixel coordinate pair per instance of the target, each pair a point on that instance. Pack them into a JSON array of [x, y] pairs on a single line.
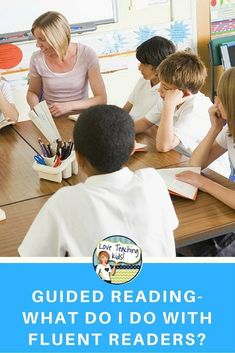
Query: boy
[[145, 94], [112, 201], [183, 119]]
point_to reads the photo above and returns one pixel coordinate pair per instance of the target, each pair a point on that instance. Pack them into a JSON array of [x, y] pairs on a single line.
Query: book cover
[[228, 54]]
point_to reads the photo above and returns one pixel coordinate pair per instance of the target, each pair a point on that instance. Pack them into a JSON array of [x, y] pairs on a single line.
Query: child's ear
[[186, 93]]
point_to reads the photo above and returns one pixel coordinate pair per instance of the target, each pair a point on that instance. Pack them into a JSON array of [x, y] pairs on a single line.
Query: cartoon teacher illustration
[[103, 269]]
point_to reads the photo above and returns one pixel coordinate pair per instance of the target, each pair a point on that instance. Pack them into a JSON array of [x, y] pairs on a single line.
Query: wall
[[115, 44], [204, 33], [203, 37]]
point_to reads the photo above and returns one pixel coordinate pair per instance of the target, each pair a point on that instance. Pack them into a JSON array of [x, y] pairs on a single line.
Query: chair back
[[215, 58]]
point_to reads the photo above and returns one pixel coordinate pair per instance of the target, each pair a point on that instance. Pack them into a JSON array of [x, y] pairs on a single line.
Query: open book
[[74, 117], [4, 122], [140, 147], [178, 187], [2, 214]]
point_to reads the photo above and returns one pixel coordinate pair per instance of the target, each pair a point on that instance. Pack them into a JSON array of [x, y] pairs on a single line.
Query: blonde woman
[[60, 71]]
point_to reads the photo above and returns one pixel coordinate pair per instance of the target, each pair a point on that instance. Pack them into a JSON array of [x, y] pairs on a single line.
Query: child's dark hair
[[154, 50], [105, 136]]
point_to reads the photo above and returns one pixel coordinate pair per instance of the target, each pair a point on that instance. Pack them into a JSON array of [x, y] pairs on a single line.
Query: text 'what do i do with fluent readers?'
[[105, 318]]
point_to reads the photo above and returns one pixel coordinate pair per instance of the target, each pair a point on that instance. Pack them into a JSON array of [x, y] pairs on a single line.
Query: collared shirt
[[143, 97], [76, 218], [191, 121]]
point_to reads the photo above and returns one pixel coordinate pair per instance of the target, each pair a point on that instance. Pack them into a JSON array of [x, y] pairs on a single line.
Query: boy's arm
[[166, 139], [127, 107], [220, 192], [8, 109], [142, 124]]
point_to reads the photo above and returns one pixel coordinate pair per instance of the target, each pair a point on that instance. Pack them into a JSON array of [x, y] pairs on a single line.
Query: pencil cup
[[50, 161], [63, 171], [67, 172]]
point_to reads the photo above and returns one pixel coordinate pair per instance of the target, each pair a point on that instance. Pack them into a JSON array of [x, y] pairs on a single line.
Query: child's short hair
[[105, 136], [154, 50], [184, 70], [226, 93]]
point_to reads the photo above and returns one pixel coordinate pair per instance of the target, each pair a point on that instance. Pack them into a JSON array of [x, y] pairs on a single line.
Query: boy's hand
[[175, 97], [192, 178]]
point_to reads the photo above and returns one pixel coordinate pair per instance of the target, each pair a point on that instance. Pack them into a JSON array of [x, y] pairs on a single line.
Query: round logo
[[117, 259]]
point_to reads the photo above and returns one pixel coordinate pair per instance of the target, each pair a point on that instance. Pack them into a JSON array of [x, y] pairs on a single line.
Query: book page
[[74, 117], [2, 214], [176, 186], [140, 146]]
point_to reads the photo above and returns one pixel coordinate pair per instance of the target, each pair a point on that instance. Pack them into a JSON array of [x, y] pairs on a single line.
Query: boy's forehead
[[167, 86]]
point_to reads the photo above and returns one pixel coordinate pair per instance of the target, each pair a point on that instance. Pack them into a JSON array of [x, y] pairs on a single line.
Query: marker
[[74, 28], [39, 159], [15, 36], [43, 148]]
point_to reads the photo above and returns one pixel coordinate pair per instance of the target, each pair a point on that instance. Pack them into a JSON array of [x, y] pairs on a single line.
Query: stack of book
[[42, 118]]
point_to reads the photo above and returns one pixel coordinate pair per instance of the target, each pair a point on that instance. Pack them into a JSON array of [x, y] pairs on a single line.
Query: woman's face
[[103, 259], [42, 43]]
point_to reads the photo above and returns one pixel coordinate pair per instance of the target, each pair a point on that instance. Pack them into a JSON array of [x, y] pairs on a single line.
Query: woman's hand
[[58, 109]]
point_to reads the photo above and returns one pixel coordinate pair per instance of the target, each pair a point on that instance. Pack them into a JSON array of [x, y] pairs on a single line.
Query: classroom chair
[[215, 58]]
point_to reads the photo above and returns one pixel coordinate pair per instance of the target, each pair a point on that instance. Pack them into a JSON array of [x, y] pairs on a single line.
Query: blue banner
[[167, 307]]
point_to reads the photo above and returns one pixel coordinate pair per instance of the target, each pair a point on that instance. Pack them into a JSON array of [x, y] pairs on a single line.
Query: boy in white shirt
[[182, 120], [145, 93], [112, 201]]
